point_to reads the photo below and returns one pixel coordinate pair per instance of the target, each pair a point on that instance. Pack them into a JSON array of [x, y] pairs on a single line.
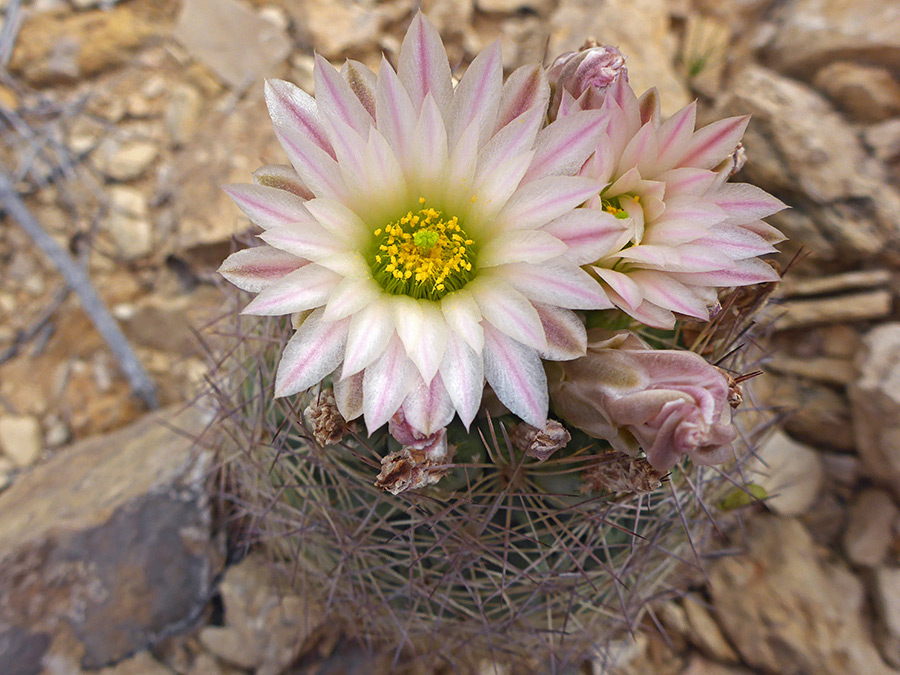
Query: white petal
[[527, 246], [308, 240], [714, 142], [385, 384], [622, 285], [525, 90], [516, 375], [336, 99], [316, 168], [369, 334], [348, 395], [563, 146], [395, 114], [509, 311], [423, 331], [306, 288], [590, 234], [315, 350], [282, 177], [292, 108], [254, 269], [428, 407], [556, 283], [429, 151], [462, 372], [542, 200], [514, 139], [463, 316], [566, 334], [340, 221], [350, 296], [267, 206], [674, 135], [423, 66], [362, 82], [477, 96]]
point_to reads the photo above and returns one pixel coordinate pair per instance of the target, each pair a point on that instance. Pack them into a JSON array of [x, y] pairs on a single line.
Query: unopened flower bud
[[585, 76], [328, 426], [540, 443], [669, 403]]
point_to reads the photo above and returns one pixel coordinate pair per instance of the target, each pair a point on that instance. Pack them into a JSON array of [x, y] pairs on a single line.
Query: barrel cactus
[[481, 418]]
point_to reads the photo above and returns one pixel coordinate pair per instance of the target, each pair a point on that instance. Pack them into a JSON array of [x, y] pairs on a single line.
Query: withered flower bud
[[540, 443], [421, 461], [328, 426], [669, 403], [584, 76], [619, 472]]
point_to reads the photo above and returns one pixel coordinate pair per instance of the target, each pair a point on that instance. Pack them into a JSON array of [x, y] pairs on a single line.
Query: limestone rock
[[812, 33], [339, 28], [541, 7], [875, 399], [790, 472], [107, 547], [183, 113], [699, 665], [265, 623], [799, 147], [866, 93], [788, 611], [639, 28], [125, 161], [128, 222], [20, 439], [869, 532], [705, 632], [207, 29], [884, 139], [886, 595]]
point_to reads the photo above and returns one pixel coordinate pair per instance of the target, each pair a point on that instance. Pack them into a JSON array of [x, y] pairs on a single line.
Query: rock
[[64, 47], [265, 623], [788, 611], [20, 439], [541, 7], [127, 160], [140, 664], [183, 113], [639, 28], [813, 33], [842, 469], [884, 139], [698, 665], [799, 147], [523, 40], [207, 30], [866, 306], [790, 472], [835, 283], [828, 369], [886, 596], [705, 632], [128, 222], [875, 401], [6, 470], [870, 528], [107, 547], [866, 93]]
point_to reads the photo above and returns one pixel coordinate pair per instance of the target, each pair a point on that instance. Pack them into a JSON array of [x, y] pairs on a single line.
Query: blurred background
[[119, 122]]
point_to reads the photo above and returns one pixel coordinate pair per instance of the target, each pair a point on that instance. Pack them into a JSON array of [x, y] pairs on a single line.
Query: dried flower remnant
[[669, 403], [328, 425], [619, 472], [423, 459], [540, 443], [678, 230], [413, 227]]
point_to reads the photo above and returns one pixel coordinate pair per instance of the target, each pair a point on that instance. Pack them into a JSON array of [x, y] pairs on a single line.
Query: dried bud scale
[[328, 426], [540, 443], [622, 473]]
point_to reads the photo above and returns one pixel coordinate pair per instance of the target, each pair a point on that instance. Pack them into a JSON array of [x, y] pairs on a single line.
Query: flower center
[[614, 206], [423, 255]]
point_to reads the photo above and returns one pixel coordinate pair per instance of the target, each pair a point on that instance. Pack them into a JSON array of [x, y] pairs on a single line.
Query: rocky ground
[[121, 119]]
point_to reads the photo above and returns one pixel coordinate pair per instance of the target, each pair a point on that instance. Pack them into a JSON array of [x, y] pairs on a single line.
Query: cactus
[[507, 558]]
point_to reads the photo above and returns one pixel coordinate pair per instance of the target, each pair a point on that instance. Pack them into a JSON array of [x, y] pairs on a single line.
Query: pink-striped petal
[[351, 296], [545, 199], [525, 90], [429, 151], [513, 140], [556, 283], [476, 98], [663, 291], [267, 206], [462, 372], [342, 223], [309, 240], [736, 242], [369, 334], [744, 202], [385, 384], [763, 229], [527, 246], [348, 395], [423, 331], [590, 234], [294, 110], [621, 93], [463, 316], [394, 112], [714, 142], [509, 311], [640, 153], [648, 105], [315, 350], [257, 268], [282, 177], [336, 99], [740, 273], [319, 172], [493, 189], [428, 407], [516, 375], [562, 147], [673, 137], [621, 285], [423, 66], [566, 334], [305, 288], [362, 83], [687, 182]]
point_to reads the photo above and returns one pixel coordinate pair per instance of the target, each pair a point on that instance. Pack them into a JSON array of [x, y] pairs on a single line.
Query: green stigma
[[425, 240]]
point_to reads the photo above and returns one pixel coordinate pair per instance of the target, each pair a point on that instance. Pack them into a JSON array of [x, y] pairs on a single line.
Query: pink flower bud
[[668, 403], [584, 77]]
